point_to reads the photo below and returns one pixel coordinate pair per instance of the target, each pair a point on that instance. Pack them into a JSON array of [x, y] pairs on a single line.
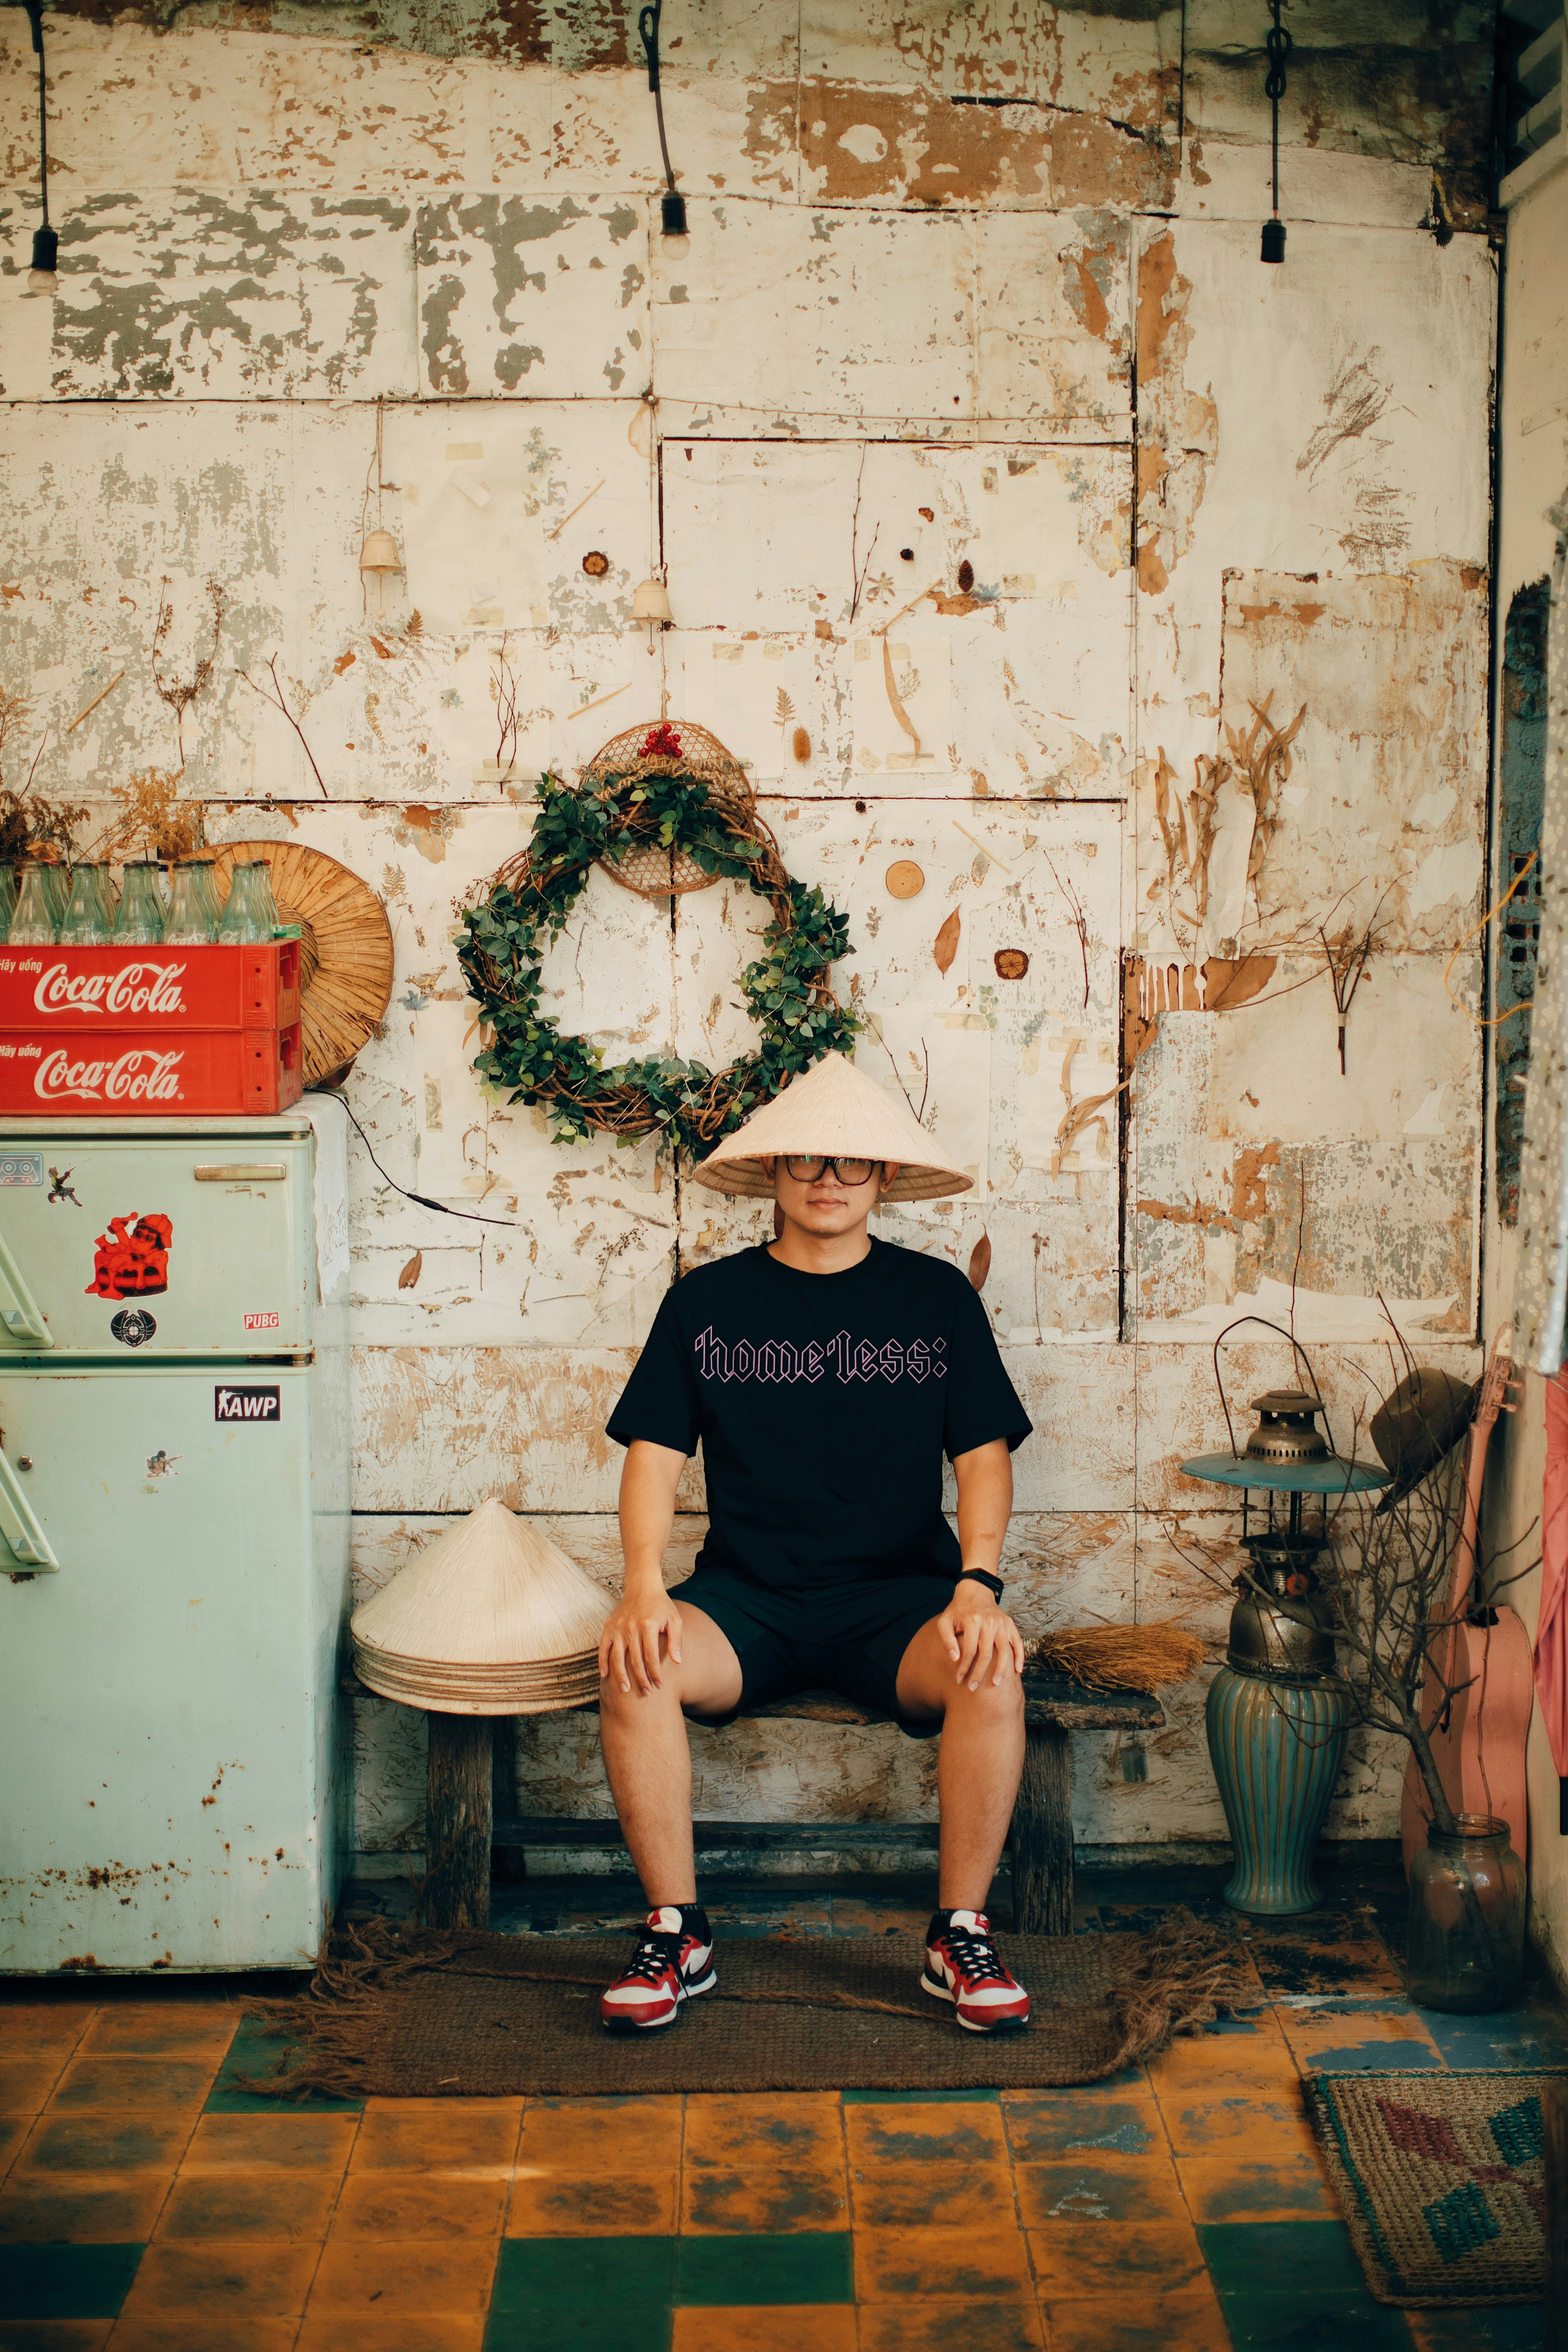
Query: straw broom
[[1119, 1657]]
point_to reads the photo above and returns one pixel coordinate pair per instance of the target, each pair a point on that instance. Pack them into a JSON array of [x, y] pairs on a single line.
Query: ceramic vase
[[1276, 1747]]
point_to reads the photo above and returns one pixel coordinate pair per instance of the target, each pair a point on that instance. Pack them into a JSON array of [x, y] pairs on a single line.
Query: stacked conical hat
[[490, 1619], [833, 1108]]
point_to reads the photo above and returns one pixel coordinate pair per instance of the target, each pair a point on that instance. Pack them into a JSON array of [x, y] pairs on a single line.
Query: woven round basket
[[661, 873], [345, 948]]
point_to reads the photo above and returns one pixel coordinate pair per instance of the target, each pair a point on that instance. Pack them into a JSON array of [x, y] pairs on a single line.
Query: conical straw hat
[[492, 1592], [835, 1107]]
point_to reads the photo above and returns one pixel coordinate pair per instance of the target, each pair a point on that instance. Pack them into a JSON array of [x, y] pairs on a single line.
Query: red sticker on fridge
[[132, 1260], [261, 1322]]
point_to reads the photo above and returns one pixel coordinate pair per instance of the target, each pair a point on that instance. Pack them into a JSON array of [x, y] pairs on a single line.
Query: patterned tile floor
[[147, 2205]]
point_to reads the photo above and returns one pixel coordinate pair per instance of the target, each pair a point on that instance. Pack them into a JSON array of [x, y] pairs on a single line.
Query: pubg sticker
[[132, 1260]]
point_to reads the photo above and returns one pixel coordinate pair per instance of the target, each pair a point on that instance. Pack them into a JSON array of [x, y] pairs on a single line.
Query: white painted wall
[[1035, 336]]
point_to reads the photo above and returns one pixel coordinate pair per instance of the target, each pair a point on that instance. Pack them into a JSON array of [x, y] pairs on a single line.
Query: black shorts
[[844, 1637]]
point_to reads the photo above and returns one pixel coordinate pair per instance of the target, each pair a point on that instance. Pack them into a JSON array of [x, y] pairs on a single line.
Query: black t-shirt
[[824, 1403]]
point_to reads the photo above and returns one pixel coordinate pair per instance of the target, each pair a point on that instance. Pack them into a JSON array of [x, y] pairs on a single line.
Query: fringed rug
[[425, 2014], [1441, 2181]]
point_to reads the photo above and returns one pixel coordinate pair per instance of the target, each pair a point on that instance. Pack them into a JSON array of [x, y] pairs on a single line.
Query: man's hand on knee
[[631, 1648], [980, 1638]]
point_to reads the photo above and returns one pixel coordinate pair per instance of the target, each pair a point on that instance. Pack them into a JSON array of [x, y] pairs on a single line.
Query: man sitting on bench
[[824, 1376]]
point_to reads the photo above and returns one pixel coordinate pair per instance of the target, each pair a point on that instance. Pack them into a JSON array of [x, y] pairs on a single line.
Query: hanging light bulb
[[42, 278], [672, 209], [672, 205], [1279, 47], [650, 606]]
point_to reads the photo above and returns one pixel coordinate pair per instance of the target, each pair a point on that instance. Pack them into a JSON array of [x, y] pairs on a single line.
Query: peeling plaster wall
[[966, 285], [1532, 476]]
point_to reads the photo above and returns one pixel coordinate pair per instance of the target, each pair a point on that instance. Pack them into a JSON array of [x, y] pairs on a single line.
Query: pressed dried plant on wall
[[177, 695], [1261, 760]]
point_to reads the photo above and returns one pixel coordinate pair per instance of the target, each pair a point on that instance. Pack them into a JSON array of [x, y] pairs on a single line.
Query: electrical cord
[[647, 26], [469, 1216]]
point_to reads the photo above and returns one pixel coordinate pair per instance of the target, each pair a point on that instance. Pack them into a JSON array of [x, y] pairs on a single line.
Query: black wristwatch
[[993, 1584]]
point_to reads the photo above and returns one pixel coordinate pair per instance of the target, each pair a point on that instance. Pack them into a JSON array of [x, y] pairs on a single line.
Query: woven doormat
[[1440, 2179], [424, 2014]]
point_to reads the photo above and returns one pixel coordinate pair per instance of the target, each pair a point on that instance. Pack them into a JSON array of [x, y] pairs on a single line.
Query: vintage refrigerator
[[174, 1538]]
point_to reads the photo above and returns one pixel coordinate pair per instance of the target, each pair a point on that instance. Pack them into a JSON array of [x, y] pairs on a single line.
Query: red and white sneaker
[[669, 1964], [962, 1965]]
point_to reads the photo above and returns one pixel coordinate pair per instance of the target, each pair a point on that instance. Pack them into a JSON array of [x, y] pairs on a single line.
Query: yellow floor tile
[[1256, 2189], [980, 2265], [1094, 2187], [1265, 2126], [150, 2140], [768, 2165], [258, 2143], [223, 2283], [948, 2131], [548, 2204], [28, 2027], [98, 2209], [1130, 2259], [54, 2335], [629, 2136], [363, 2275], [1044, 2125], [14, 2131], [935, 2326], [436, 2135], [262, 2204], [945, 2196], [425, 2331], [1312, 2032], [766, 2327], [1249, 2061], [26, 2083], [1187, 2322], [405, 2205], [160, 2030], [189, 2333], [96, 2085]]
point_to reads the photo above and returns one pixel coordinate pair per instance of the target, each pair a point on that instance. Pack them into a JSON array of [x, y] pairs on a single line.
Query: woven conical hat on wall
[[835, 1107], [345, 947], [492, 1592]]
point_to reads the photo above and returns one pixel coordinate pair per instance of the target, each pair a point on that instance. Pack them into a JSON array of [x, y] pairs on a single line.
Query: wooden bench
[[471, 1804]]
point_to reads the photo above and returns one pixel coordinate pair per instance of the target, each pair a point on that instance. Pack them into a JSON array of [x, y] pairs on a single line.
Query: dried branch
[[180, 697], [503, 693], [1079, 919], [280, 701], [154, 817], [1347, 958]]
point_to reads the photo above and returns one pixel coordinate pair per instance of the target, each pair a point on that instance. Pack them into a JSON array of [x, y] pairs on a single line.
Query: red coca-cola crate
[[170, 988], [151, 1072]]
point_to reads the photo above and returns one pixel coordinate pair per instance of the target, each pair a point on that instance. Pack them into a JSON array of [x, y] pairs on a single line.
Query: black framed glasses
[[807, 1168]]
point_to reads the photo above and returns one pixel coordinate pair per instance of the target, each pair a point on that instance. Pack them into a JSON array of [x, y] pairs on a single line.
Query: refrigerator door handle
[[19, 1312], [32, 1552]]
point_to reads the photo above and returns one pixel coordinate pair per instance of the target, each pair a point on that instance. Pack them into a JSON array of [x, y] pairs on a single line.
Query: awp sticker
[[247, 1405]]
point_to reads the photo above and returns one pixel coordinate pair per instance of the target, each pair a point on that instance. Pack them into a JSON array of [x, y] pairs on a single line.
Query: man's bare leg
[[648, 1759], [980, 1766]]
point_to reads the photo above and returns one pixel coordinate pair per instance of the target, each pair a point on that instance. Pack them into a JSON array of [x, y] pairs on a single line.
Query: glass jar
[[193, 905], [1466, 1947], [34, 924], [139, 920], [248, 913], [86, 923], [7, 895]]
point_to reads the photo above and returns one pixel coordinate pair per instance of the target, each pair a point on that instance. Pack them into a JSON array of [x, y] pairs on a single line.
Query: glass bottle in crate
[[193, 905], [263, 894], [248, 916], [54, 874], [8, 894], [34, 923], [86, 922], [139, 920]]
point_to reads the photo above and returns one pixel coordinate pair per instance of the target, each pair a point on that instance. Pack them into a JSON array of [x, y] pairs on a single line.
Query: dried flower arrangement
[[31, 825], [153, 820]]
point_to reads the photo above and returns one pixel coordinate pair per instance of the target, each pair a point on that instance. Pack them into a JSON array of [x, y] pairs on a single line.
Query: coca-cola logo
[[134, 988], [140, 1074]]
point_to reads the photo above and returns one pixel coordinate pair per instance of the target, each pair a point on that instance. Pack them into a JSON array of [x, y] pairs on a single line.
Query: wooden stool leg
[[458, 1821], [1042, 1837], [509, 1864]]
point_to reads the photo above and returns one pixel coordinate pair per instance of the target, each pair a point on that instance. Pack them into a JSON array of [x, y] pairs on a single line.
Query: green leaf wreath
[[658, 806]]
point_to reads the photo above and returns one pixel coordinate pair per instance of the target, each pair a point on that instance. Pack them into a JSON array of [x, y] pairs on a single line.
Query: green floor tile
[[915, 2098], [1326, 2323], [66, 2282], [590, 2294], [1301, 2258], [806, 2266], [254, 2051]]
